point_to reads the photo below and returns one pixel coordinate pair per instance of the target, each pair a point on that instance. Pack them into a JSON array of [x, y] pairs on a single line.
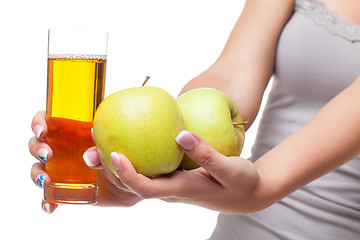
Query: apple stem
[[146, 79], [242, 123]]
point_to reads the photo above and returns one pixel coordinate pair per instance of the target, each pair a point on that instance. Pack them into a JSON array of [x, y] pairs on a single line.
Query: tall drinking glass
[[75, 87]]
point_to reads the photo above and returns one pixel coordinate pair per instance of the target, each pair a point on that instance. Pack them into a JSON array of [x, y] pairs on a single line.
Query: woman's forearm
[[328, 140]]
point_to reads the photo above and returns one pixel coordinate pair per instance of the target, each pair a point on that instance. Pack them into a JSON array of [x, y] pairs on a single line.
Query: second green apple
[[212, 115]]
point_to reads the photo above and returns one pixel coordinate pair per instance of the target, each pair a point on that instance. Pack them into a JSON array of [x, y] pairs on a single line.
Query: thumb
[[203, 154]]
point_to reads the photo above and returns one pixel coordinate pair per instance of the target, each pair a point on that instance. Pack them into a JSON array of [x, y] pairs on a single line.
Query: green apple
[[141, 123], [212, 115]]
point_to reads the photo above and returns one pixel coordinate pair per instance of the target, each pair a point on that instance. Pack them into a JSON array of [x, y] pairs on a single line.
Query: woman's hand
[[222, 183], [111, 191]]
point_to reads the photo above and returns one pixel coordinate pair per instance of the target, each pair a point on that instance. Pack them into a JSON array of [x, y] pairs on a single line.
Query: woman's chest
[[348, 9]]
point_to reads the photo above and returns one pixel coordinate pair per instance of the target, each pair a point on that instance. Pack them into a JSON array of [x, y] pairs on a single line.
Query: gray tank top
[[318, 56]]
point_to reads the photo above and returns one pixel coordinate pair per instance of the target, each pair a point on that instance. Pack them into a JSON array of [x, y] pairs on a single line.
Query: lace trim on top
[[323, 16]]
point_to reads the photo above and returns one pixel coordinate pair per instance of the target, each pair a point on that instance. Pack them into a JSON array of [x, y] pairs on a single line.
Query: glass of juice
[[75, 88]]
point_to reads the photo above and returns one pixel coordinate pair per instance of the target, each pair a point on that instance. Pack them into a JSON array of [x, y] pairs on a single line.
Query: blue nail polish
[[43, 153], [40, 180]]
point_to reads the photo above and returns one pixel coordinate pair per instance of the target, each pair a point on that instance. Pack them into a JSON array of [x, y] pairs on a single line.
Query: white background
[[171, 41]]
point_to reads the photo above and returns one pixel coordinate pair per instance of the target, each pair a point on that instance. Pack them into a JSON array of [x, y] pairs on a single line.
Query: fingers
[[39, 176], [40, 150], [37, 147], [91, 158], [228, 171], [216, 164], [143, 186], [38, 124], [42, 180]]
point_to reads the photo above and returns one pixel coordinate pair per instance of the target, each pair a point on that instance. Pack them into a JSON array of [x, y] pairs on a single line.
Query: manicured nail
[[92, 134], [90, 158], [46, 208], [43, 154], [40, 180], [116, 160], [186, 140], [38, 130]]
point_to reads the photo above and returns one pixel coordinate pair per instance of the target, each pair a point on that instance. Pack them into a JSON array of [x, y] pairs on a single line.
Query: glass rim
[[75, 30]]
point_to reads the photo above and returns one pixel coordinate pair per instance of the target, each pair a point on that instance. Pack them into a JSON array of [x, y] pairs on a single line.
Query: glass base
[[71, 193]]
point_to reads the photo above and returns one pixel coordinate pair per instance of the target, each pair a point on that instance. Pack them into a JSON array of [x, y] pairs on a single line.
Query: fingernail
[[40, 180], [90, 158], [38, 130], [186, 140], [46, 208], [92, 134], [116, 160], [42, 154]]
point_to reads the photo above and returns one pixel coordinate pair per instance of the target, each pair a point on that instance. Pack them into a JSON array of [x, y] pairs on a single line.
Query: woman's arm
[[246, 63], [328, 140]]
